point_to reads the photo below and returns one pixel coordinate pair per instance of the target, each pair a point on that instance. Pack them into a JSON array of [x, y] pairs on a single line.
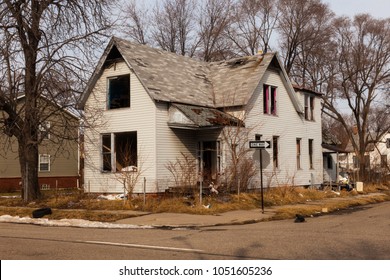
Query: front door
[[210, 160]]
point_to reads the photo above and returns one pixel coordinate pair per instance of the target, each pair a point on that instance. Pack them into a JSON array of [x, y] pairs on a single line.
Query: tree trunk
[[28, 159]]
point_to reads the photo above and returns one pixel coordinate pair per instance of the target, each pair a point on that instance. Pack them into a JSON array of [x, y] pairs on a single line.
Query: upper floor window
[[309, 107], [269, 100], [118, 92], [388, 143]]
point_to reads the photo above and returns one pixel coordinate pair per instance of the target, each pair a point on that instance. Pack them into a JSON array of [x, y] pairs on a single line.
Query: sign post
[[260, 145]]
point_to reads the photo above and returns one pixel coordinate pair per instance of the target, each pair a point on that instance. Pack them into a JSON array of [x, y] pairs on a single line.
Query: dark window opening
[[126, 150], [298, 144], [119, 92], [269, 100], [311, 153], [275, 151], [119, 154], [329, 162]]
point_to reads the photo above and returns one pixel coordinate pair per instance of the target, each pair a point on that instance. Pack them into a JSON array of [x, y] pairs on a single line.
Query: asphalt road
[[363, 233]]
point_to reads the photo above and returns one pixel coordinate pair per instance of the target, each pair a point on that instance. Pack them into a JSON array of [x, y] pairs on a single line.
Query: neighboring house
[[146, 108], [377, 159], [58, 151]]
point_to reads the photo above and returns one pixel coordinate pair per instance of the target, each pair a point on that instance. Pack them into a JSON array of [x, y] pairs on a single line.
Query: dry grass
[[289, 201]]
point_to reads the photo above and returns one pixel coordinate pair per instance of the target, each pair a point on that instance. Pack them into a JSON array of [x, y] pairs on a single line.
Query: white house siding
[[140, 117], [382, 149], [171, 142], [288, 125]]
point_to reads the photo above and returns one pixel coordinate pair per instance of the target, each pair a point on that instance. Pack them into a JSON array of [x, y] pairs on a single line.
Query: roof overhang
[[185, 116]]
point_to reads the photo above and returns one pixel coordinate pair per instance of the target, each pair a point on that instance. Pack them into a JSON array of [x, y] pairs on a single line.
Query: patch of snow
[[67, 223], [112, 197]]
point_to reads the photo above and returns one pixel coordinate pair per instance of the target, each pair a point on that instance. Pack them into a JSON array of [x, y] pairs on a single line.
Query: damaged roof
[[178, 79], [191, 116]]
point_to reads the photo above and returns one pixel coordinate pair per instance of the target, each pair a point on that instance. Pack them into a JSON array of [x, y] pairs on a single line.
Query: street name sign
[[260, 144]]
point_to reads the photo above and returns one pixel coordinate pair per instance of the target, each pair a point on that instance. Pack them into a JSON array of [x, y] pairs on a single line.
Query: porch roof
[[196, 117]]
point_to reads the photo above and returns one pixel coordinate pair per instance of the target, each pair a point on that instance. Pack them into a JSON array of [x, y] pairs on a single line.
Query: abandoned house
[[149, 111]]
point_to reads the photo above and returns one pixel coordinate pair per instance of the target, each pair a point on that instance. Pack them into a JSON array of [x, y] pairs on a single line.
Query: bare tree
[[303, 25], [41, 57], [173, 26], [138, 21], [252, 25], [361, 81], [214, 19]]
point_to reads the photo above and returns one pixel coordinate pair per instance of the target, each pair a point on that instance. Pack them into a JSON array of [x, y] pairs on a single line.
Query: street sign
[[260, 144]]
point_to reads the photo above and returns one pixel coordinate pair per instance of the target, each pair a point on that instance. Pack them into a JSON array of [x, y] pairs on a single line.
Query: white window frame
[[44, 159]]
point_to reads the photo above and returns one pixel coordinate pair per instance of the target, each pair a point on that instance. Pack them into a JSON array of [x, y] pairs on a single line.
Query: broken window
[[118, 92], [125, 150], [269, 100], [125, 156]]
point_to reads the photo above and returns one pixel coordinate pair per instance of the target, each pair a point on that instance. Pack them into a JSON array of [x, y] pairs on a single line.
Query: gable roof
[[178, 79]]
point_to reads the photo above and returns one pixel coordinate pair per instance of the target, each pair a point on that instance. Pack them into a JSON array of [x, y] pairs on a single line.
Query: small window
[[269, 100], [106, 152], [388, 143], [298, 147], [275, 151], [118, 92], [309, 107], [44, 163], [311, 153]]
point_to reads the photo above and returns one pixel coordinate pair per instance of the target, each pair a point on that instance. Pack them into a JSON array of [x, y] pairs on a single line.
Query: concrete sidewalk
[[237, 217], [189, 220]]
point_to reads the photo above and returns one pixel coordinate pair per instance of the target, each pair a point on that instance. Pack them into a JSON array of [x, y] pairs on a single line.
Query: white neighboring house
[[380, 155], [377, 159], [158, 106]]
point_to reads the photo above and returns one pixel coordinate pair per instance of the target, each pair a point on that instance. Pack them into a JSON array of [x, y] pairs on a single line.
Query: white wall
[[288, 125], [140, 117]]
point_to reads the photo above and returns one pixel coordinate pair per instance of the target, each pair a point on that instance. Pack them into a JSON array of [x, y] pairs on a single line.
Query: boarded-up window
[[118, 92]]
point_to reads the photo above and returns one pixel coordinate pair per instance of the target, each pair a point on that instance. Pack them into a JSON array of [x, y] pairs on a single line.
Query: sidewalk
[[189, 220], [176, 220]]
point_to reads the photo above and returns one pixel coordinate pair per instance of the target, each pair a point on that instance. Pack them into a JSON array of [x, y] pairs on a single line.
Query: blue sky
[[377, 8]]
